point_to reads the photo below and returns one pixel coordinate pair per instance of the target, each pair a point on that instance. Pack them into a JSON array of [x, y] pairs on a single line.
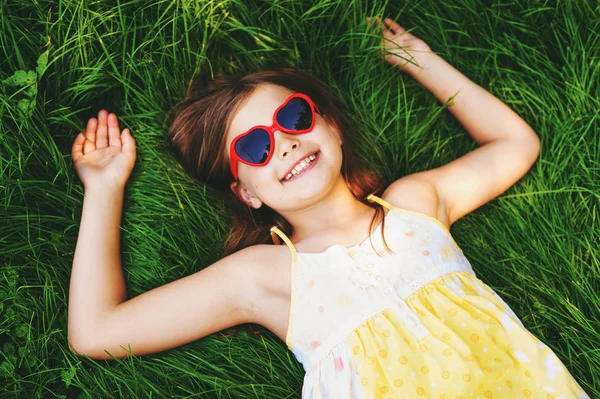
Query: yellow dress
[[409, 324]]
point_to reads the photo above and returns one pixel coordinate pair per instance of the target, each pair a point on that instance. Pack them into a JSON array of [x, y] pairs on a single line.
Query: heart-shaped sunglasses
[[255, 147]]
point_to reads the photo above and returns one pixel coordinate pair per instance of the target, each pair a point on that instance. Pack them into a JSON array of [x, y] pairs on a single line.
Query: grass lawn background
[[536, 245]]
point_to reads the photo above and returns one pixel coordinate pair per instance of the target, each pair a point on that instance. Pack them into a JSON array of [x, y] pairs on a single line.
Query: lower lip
[[312, 165]]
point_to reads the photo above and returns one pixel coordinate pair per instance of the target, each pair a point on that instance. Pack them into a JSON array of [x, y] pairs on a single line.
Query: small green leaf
[[67, 376], [10, 314], [19, 78], [21, 331], [27, 106], [31, 77], [31, 90], [42, 64], [31, 361], [12, 277], [9, 349], [7, 368]]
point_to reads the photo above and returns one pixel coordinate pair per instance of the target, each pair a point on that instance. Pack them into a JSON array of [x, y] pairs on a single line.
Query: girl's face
[[258, 184]]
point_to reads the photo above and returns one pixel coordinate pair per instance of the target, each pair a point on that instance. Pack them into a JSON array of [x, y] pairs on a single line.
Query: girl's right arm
[[100, 316], [101, 319]]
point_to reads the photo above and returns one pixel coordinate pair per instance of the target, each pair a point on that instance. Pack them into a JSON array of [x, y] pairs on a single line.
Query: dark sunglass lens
[[254, 147], [296, 115]]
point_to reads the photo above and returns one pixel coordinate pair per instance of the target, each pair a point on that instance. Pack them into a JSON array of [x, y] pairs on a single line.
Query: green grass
[[536, 245]]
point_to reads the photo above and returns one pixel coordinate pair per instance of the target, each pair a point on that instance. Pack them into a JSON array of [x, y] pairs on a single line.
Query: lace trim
[[406, 290]]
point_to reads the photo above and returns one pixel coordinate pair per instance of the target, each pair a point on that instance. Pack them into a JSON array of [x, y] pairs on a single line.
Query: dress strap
[[275, 232], [386, 204]]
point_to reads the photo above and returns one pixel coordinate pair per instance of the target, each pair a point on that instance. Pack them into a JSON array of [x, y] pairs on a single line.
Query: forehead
[[257, 109]]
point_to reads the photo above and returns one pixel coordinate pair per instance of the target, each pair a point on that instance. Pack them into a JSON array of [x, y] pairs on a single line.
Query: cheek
[[332, 132], [334, 147], [256, 177]]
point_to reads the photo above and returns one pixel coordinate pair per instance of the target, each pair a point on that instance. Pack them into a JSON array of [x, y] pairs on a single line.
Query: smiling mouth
[[303, 171]]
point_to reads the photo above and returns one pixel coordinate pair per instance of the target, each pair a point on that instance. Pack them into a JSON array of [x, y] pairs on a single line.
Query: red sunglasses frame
[[234, 157]]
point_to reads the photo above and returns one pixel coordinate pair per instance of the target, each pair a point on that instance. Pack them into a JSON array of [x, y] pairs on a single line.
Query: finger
[[373, 23], [114, 135], [394, 26], [90, 136], [385, 26], [77, 149], [102, 132], [128, 142]]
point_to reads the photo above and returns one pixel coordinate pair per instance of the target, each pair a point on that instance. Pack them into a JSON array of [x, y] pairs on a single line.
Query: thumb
[[128, 141]]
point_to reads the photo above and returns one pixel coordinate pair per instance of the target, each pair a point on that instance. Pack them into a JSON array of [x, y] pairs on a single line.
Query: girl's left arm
[[508, 145]]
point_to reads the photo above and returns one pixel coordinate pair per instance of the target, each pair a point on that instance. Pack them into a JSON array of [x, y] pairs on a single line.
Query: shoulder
[[254, 262], [263, 268], [417, 193]]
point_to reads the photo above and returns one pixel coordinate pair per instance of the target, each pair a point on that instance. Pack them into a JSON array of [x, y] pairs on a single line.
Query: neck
[[337, 210]]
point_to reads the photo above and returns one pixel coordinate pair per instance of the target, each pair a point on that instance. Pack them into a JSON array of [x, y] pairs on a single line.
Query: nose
[[285, 143]]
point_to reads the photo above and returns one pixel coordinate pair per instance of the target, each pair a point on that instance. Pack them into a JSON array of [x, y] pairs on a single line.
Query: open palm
[[400, 46], [103, 156]]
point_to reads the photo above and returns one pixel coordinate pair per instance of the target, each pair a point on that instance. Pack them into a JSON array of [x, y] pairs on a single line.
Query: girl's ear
[[246, 196]]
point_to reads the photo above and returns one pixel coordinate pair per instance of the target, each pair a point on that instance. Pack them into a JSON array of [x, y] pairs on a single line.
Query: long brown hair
[[198, 132]]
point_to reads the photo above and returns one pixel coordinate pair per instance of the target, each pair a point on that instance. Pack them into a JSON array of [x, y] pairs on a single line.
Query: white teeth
[[300, 167]]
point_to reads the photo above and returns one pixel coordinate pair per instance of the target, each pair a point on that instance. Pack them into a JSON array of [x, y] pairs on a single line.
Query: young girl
[[398, 314]]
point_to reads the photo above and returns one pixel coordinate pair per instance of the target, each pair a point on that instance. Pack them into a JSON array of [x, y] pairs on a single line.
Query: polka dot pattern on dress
[[416, 322]]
